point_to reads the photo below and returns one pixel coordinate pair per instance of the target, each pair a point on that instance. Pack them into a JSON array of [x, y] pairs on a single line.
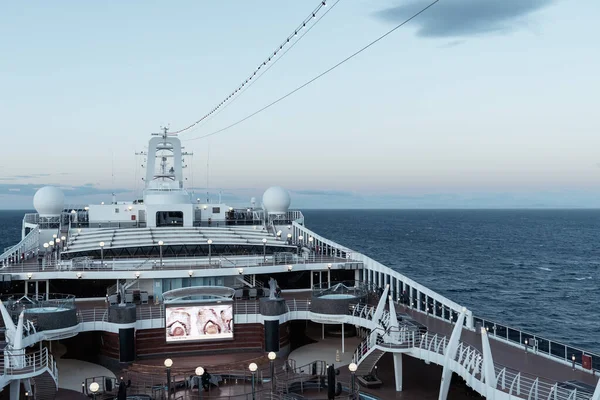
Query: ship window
[[216, 210], [169, 218], [116, 210]]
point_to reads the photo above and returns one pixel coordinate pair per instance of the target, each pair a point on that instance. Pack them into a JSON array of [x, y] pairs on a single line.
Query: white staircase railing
[[29, 243], [20, 365]]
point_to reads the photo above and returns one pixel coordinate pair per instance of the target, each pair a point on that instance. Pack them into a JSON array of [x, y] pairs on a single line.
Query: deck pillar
[[450, 354], [596, 395], [380, 308], [488, 366], [343, 347], [15, 389], [398, 371]]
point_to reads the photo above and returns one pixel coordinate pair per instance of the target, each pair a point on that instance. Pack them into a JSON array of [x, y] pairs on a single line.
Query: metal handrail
[[16, 364], [517, 337], [169, 263], [30, 241], [508, 380]]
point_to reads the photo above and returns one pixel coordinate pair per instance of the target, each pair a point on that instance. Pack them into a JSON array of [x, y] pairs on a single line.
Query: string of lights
[[406, 21], [287, 43], [269, 66]]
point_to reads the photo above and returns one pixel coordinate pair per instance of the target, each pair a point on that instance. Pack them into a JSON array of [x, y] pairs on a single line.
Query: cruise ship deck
[[161, 289]]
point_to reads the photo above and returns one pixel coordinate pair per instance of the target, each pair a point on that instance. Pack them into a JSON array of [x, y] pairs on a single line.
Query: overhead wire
[[269, 66], [406, 21], [262, 65]]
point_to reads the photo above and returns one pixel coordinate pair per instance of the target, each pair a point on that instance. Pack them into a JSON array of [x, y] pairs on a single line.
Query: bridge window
[[169, 218]]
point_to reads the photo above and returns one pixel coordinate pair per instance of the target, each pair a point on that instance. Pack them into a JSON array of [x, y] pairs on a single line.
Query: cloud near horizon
[[463, 18], [29, 189], [21, 197]]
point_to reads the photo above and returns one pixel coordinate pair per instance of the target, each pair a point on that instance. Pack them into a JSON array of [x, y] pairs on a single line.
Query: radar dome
[[276, 200], [49, 201]]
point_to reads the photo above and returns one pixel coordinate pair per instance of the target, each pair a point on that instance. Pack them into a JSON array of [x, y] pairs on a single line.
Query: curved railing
[[17, 365], [467, 363], [153, 263], [28, 244], [423, 299], [348, 287], [536, 344], [18, 302]]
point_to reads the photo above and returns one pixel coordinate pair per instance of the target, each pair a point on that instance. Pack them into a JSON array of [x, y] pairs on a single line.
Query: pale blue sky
[[476, 103]]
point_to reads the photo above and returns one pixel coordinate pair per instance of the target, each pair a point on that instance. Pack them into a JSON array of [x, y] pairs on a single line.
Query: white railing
[[29, 243], [468, 363], [18, 365], [172, 263], [538, 345], [426, 300]]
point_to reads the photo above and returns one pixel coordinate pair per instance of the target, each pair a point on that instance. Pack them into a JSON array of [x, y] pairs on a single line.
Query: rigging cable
[[268, 60], [269, 66], [320, 75]]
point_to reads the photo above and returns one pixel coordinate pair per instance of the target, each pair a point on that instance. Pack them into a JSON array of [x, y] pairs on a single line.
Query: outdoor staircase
[[367, 363], [246, 280], [122, 282], [45, 387]]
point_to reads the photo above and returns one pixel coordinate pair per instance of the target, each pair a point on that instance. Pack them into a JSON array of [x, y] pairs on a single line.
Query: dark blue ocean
[[531, 269]]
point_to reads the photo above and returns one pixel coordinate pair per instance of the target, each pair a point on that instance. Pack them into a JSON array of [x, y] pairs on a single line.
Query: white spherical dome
[[49, 201], [276, 200]]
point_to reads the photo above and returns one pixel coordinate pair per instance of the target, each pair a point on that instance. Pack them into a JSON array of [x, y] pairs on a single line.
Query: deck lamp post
[[272, 356], [94, 387], [352, 367], [573, 359], [160, 245], [199, 373], [264, 249], [58, 241], [72, 218], [63, 240], [46, 245], [168, 364], [209, 241], [51, 244], [253, 367], [102, 254], [310, 242]]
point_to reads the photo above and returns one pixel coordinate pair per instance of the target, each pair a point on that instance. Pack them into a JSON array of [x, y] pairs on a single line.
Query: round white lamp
[[94, 387], [272, 355], [253, 367], [168, 363]]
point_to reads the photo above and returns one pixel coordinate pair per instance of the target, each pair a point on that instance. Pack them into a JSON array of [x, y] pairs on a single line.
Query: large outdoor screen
[[199, 322]]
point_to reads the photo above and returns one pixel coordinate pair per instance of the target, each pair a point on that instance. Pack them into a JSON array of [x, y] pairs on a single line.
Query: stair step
[[45, 387]]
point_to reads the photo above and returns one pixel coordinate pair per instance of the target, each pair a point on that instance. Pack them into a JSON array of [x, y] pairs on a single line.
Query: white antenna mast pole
[[207, 171], [114, 196]]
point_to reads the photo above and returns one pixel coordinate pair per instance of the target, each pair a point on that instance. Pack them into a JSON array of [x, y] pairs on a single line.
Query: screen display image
[[199, 322]]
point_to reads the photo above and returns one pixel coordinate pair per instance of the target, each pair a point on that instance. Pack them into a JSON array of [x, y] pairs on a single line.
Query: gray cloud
[[19, 177], [462, 18], [322, 193], [30, 189]]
